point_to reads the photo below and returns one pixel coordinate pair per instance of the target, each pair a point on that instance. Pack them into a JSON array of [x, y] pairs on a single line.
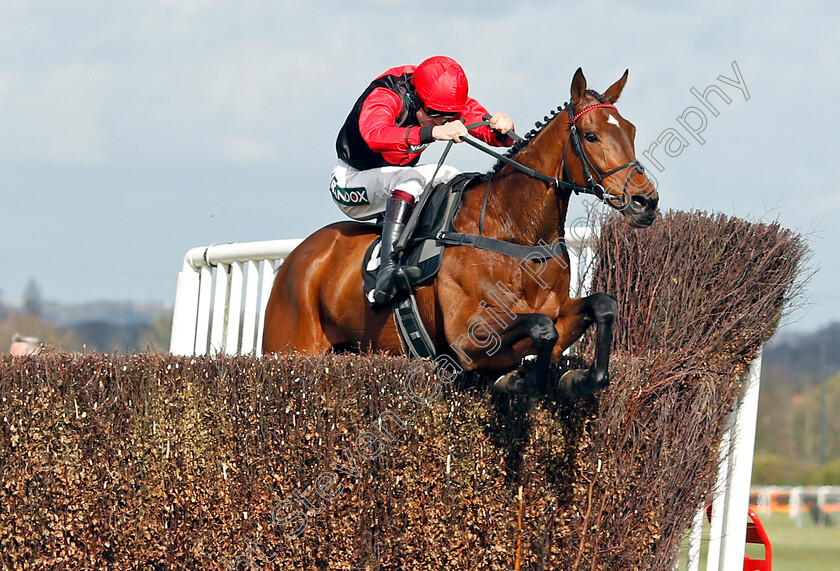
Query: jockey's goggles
[[434, 113]]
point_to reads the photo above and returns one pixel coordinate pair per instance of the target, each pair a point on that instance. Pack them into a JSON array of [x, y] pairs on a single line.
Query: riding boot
[[397, 213]]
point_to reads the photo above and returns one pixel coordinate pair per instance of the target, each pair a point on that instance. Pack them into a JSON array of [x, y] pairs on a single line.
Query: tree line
[[84, 335], [798, 430]]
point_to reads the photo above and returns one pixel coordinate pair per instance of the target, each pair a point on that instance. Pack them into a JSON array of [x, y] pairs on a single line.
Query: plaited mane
[[538, 127]]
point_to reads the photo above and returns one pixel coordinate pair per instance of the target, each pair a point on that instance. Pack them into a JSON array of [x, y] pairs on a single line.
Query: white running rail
[[221, 296], [223, 289]]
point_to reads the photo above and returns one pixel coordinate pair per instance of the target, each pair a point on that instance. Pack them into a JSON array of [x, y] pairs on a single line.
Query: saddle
[[428, 232], [419, 246]]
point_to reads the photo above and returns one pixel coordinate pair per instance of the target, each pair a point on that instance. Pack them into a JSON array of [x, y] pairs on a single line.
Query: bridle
[[593, 186], [594, 177]]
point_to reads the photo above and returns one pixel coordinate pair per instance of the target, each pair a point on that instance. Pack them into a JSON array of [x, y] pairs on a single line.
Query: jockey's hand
[[501, 123], [454, 131]]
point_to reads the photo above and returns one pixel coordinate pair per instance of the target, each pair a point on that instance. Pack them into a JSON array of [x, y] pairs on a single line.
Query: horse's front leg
[[599, 309], [533, 379]]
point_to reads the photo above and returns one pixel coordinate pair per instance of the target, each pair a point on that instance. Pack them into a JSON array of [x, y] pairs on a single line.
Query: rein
[[594, 187], [550, 180]]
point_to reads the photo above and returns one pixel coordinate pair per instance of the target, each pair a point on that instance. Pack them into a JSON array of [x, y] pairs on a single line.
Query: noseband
[[594, 183]]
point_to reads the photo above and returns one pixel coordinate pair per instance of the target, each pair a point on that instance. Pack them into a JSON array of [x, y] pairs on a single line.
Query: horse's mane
[[538, 127]]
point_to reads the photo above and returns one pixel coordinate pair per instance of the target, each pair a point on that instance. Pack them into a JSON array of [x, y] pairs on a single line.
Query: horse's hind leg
[[599, 309], [292, 321], [294, 331], [532, 380]]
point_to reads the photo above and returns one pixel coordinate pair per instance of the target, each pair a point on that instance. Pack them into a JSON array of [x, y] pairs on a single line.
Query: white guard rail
[[231, 283], [727, 530], [223, 289]]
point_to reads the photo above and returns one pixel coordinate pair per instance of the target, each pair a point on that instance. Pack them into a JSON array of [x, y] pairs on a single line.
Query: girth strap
[[536, 253]]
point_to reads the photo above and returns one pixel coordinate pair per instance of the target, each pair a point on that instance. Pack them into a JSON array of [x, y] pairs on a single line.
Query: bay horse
[[317, 302]]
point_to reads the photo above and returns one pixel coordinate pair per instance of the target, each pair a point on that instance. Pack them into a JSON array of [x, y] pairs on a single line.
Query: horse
[[317, 303]]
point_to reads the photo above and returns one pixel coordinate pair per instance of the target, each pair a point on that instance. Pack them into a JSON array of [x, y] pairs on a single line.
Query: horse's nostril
[[642, 202]]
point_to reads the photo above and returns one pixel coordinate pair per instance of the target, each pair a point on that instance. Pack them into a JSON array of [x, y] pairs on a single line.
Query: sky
[[133, 131]]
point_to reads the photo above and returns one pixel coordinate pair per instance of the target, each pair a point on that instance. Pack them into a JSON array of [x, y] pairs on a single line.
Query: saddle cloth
[[432, 216]]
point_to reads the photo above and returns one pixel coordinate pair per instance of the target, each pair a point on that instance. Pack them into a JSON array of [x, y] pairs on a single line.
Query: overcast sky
[[132, 131]]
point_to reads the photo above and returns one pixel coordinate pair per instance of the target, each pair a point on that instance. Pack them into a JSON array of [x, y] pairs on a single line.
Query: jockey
[[401, 113]]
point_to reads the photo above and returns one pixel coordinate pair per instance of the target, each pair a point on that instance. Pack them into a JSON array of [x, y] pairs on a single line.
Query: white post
[[220, 304], [182, 338], [575, 282], [694, 542], [265, 292], [234, 309], [765, 499], [822, 495], [796, 505], [578, 241], [740, 470], [249, 315], [202, 327], [719, 501]]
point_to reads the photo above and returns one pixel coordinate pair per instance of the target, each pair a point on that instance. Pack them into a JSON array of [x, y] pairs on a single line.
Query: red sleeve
[[398, 145], [476, 112]]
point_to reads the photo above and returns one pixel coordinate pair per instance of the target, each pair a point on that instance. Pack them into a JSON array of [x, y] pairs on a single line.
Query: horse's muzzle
[[641, 212]]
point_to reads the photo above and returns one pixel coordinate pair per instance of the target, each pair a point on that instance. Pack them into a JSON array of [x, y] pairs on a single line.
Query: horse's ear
[[612, 94], [578, 86]]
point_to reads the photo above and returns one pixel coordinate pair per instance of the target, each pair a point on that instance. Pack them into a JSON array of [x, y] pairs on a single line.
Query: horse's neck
[[522, 209]]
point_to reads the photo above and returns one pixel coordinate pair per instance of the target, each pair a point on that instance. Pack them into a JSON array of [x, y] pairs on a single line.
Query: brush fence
[[220, 301]]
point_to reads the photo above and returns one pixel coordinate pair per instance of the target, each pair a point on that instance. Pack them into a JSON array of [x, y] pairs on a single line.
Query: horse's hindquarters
[[317, 301]]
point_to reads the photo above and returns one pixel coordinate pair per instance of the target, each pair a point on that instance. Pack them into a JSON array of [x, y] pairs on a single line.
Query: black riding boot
[[397, 213]]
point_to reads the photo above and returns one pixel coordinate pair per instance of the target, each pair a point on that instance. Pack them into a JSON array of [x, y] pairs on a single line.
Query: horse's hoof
[[514, 383], [511, 384], [573, 384]]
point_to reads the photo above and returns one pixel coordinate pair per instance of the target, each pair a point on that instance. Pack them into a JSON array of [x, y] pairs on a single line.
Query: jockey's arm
[[376, 123], [499, 124]]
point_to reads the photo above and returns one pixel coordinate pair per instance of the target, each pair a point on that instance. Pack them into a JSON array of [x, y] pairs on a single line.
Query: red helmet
[[441, 84]]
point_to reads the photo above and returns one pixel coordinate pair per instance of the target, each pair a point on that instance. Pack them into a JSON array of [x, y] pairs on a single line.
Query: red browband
[[588, 109]]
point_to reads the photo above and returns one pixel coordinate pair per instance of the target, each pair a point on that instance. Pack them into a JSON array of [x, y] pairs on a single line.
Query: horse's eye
[[591, 137]]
